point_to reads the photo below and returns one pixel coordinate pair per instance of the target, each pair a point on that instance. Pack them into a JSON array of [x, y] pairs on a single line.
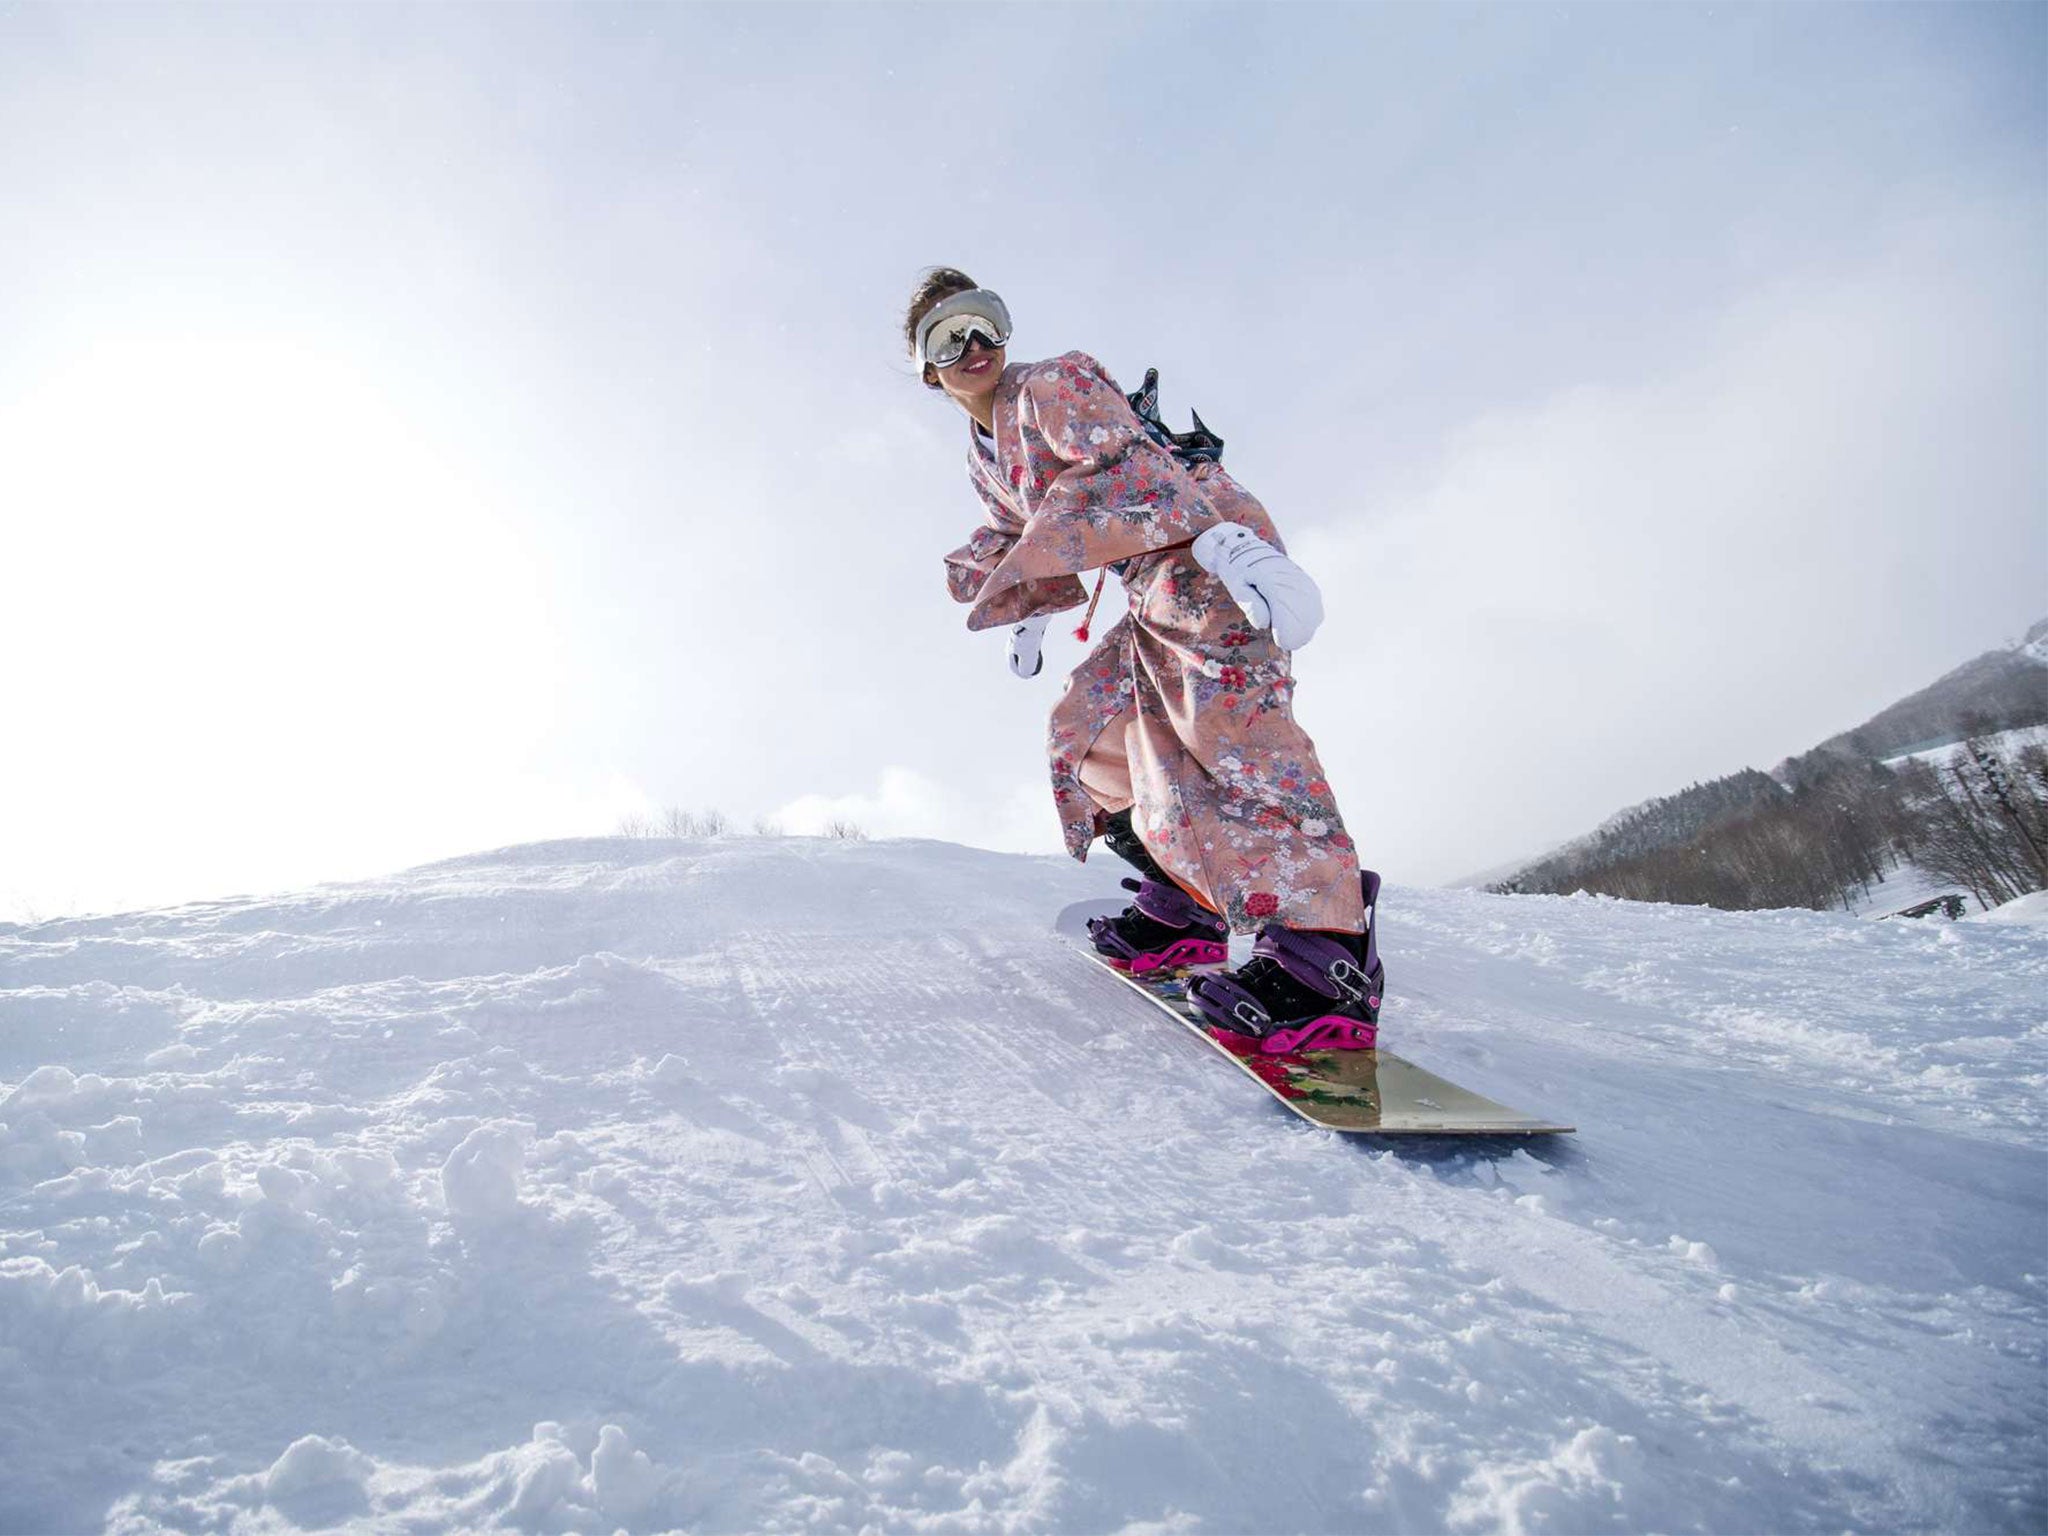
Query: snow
[[760, 1184], [2005, 744], [1904, 886], [2030, 908]]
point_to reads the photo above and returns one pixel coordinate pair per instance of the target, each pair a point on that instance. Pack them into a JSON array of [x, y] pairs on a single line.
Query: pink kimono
[[1183, 712]]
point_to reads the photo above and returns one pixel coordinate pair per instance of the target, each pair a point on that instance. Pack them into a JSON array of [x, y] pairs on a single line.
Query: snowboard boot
[[1164, 928], [1302, 990], [1125, 843]]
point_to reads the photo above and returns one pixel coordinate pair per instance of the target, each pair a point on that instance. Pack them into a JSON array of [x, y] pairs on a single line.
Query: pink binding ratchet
[[1182, 952], [1332, 1032]]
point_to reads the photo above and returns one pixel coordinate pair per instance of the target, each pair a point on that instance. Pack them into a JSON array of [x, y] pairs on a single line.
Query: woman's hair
[[935, 287]]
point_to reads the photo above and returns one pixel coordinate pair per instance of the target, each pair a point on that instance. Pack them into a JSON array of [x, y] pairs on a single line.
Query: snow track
[[774, 1185]]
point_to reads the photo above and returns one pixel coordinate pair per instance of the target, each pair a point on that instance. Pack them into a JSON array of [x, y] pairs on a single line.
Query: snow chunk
[[726, 1288], [1584, 1484], [49, 1085], [32, 1148], [288, 1187], [1692, 1252], [1530, 1175], [549, 1478], [316, 1483], [671, 1069], [314, 1461], [68, 1312], [623, 1481], [480, 1179]]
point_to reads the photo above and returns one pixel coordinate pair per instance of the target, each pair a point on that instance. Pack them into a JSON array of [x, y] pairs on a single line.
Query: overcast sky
[[429, 428]]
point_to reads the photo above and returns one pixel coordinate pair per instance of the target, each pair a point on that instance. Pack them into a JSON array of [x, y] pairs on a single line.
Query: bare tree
[[677, 822], [1956, 840]]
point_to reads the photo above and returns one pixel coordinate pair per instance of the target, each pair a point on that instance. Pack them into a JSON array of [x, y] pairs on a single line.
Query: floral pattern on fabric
[[1229, 795]]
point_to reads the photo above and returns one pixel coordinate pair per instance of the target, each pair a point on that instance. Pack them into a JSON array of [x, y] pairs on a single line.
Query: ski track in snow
[[766, 1185]]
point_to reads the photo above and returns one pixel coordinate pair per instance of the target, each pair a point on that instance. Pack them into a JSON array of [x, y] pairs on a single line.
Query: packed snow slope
[[780, 1184]]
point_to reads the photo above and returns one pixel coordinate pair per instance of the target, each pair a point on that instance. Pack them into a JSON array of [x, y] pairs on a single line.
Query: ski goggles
[[942, 335]]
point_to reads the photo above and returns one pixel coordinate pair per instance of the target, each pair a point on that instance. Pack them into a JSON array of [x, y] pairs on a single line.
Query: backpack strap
[[1201, 446]]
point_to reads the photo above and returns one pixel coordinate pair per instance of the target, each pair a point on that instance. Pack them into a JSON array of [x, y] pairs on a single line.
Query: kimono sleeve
[[969, 567], [1114, 492]]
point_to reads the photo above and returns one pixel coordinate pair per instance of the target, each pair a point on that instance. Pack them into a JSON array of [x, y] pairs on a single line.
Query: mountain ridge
[[1998, 690]]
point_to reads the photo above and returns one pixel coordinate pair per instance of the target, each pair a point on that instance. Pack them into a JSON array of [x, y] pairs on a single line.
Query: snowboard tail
[[1371, 1092]]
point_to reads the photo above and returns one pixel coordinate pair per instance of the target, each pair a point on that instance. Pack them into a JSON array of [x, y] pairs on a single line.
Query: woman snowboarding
[[1175, 740]]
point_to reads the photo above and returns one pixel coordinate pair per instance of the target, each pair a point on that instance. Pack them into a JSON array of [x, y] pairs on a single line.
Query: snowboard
[[1371, 1093]]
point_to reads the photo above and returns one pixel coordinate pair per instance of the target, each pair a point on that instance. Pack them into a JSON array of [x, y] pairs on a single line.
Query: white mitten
[[1024, 642], [1272, 590]]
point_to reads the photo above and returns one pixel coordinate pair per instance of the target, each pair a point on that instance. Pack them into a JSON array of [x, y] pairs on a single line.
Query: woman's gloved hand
[[1025, 639], [1273, 591]]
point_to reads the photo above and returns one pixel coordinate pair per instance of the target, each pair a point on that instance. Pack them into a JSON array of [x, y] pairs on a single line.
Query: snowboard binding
[[1165, 928], [1302, 991]]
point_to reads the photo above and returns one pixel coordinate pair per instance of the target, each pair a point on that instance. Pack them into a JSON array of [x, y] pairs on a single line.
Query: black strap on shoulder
[[1201, 446]]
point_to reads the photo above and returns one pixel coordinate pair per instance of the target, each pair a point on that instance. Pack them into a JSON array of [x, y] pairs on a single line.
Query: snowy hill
[[2006, 744], [764, 1184], [2004, 687], [2002, 693]]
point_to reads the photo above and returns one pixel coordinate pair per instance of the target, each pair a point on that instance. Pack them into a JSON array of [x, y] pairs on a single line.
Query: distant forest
[[1747, 842], [1833, 823]]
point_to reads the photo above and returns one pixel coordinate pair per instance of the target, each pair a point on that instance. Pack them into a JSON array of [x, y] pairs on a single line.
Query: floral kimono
[[1183, 711]]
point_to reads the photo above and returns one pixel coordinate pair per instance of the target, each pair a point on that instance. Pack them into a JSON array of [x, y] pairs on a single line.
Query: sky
[[430, 428]]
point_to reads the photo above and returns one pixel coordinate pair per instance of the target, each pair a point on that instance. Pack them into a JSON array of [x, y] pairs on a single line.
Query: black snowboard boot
[[1165, 926], [1302, 990], [1125, 843]]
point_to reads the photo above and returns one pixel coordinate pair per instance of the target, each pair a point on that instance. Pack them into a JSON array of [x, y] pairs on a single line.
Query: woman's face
[[974, 376]]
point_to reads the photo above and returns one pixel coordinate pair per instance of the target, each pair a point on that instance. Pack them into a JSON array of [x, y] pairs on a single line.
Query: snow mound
[[762, 1184], [480, 1178], [2031, 909]]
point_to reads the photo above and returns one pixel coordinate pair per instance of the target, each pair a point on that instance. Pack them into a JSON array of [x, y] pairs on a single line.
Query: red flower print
[[1261, 904], [1016, 474], [1233, 677], [1318, 787], [1229, 701], [1270, 1070]]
